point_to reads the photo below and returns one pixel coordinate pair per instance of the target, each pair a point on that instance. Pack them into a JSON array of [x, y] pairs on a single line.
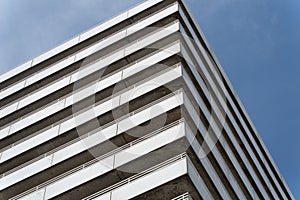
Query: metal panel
[[101, 45], [151, 38], [155, 58], [50, 70], [100, 136], [150, 144], [79, 178], [145, 115], [44, 92], [12, 89], [151, 181], [28, 144], [8, 109], [104, 197], [38, 195], [31, 119], [68, 152], [25, 172], [153, 18], [4, 132], [158, 81]]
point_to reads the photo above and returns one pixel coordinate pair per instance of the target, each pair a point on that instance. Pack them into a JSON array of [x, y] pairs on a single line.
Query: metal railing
[[91, 162], [185, 196], [92, 132], [81, 111], [137, 176]]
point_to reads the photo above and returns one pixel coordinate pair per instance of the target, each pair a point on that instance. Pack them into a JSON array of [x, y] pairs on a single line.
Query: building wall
[[135, 108]]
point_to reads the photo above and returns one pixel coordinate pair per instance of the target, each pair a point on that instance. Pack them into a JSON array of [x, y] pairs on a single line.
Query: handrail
[[92, 62], [136, 176], [85, 109], [185, 196], [91, 133], [91, 162], [89, 46]]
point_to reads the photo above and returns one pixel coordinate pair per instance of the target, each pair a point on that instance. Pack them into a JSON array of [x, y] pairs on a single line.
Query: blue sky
[[257, 43]]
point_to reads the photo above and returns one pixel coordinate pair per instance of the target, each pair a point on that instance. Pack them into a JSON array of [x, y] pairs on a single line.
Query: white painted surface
[[155, 58], [38, 195], [101, 44], [107, 60], [79, 178], [90, 50], [50, 70], [104, 197], [151, 38], [149, 145], [4, 132], [152, 19], [44, 92], [12, 89], [155, 82], [68, 152], [28, 144], [25, 172], [67, 125], [80, 38], [150, 181], [31, 119], [145, 115], [124, 156], [8, 109]]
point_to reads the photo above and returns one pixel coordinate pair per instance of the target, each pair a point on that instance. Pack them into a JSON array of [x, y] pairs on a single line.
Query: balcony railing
[[137, 176], [185, 196], [87, 164], [92, 132]]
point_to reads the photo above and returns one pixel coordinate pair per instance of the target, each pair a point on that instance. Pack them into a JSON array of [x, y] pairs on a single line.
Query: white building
[[135, 108]]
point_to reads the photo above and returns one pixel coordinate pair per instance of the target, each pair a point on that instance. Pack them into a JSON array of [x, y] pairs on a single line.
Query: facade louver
[[137, 107]]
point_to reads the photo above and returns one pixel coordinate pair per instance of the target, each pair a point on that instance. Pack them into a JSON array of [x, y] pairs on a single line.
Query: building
[[135, 108]]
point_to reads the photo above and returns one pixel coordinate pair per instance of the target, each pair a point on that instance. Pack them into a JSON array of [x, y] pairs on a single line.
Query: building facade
[[137, 107]]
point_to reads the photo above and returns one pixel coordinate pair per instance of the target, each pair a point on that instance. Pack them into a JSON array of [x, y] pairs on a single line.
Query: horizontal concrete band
[[105, 105], [105, 134], [129, 189], [258, 165], [87, 70], [114, 159], [84, 36], [91, 89], [87, 52]]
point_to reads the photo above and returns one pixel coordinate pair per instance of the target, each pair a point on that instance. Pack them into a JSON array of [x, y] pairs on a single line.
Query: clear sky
[[257, 43]]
